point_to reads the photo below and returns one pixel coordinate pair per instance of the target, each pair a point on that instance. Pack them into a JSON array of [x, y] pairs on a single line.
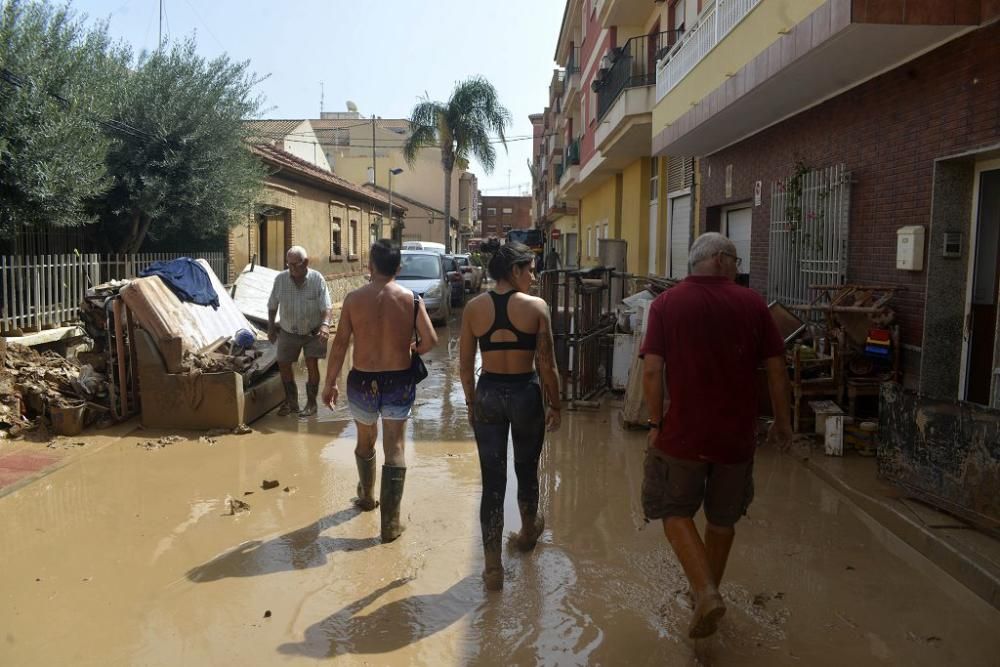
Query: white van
[[424, 245]]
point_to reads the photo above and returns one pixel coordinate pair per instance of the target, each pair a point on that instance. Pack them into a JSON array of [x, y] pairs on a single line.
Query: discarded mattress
[[251, 291], [178, 328]]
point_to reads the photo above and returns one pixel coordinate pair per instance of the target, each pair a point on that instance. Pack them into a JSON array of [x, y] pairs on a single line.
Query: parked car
[[472, 274], [423, 271], [455, 280]]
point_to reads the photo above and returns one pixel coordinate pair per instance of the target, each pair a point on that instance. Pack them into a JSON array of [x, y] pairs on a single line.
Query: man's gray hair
[[709, 245], [297, 252]]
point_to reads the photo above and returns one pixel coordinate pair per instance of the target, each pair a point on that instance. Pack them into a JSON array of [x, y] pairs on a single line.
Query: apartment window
[[336, 242], [491, 211], [654, 179], [605, 231], [589, 243], [593, 107], [677, 14], [353, 239], [507, 211]]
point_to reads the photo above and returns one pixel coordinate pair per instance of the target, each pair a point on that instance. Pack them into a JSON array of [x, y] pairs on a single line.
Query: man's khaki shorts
[[290, 346], [677, 488]]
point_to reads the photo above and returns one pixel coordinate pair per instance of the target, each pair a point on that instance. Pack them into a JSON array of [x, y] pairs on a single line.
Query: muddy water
[[131, 557]]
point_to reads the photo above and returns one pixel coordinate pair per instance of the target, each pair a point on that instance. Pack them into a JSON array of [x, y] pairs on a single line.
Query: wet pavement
[[131, 556]]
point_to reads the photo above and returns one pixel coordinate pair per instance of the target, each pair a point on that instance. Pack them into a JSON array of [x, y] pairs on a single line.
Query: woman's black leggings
[[507, 404]]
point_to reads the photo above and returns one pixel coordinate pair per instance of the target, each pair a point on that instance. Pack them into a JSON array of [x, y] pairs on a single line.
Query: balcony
[[569, 170], [625, 98], [717, 21], [747, 64]]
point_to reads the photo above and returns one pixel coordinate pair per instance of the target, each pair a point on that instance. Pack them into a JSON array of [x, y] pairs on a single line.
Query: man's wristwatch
[[654, 425]]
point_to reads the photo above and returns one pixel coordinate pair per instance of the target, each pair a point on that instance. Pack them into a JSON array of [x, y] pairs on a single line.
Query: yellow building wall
[[312, 214], [759, 29], [635, 215], [597, 209]]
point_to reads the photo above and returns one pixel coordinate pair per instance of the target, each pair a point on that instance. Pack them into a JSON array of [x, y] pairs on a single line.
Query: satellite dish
[[351, 106]]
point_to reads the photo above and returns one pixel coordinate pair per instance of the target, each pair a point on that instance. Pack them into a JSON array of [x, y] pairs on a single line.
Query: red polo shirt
[[713, 335]]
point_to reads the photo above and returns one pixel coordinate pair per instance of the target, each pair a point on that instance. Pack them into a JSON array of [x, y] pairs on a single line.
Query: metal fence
[[43, 289], [809, 233], [37, 291], [580, 303]]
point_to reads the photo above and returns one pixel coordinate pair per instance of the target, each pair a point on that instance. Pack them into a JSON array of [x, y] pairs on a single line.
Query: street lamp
[[392, 172]]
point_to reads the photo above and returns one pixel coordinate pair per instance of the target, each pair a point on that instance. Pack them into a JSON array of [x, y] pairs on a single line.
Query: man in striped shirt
[[301, 295]]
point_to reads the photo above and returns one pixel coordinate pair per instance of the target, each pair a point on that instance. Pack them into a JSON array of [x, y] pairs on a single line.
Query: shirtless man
[[381, 316]]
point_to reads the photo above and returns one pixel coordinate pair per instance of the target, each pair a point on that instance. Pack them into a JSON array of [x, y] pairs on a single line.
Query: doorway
[[982, 301], [738, 225], [569, 256], [272, 237]]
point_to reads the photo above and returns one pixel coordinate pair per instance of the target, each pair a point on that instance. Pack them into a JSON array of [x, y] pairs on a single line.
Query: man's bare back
[[382, 322]]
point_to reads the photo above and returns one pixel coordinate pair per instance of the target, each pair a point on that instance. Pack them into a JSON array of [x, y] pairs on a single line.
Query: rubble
[[33, 382], [237, 506], [160, 443]]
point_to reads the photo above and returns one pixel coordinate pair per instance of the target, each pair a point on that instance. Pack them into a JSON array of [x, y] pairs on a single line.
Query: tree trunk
[[136, 234], [447, 209]]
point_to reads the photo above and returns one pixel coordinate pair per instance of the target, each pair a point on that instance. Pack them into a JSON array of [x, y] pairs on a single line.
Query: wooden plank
[[47, 336]]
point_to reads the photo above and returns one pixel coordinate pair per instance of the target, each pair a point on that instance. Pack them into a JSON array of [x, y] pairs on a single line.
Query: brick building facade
[[500, 214], [892, 134]]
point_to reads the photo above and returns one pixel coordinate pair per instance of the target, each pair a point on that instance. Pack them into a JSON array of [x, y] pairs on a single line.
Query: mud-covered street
[[128, 555]]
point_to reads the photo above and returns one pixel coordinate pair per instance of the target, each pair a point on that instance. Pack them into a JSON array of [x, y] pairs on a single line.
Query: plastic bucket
[[67, 420]]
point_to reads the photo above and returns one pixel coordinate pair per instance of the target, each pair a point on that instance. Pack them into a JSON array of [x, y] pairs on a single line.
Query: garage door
[[680, 235]]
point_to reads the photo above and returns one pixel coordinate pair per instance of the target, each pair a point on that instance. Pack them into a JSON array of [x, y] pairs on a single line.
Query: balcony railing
[[715, 23], [633, 65]]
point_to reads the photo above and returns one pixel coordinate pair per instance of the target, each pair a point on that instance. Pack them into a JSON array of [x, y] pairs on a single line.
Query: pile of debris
[[32, 383]]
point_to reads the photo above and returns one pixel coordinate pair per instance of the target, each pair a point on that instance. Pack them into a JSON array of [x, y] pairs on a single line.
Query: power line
[[122, 127]]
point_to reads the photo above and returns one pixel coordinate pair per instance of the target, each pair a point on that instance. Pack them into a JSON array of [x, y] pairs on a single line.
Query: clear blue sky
[[381, 54]]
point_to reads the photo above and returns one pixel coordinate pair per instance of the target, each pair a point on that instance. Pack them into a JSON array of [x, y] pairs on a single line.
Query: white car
[[423, 272], [424, 245], [472, 274]]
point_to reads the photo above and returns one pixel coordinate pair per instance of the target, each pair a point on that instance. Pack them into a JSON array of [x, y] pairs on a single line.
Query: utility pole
[[159, 43], [374, 166]]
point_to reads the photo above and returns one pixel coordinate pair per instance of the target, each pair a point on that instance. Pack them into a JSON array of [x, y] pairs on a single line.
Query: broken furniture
[[171, 339], [251, 291], [851, 314], [815, 374]]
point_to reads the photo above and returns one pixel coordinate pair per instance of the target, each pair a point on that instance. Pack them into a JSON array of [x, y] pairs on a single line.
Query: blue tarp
[[185, 278]]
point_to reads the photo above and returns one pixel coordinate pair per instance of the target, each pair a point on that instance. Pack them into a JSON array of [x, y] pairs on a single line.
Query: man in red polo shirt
[[709, 335]]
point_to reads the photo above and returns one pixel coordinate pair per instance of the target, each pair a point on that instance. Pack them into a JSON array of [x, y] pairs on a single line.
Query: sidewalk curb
[[981, 581]]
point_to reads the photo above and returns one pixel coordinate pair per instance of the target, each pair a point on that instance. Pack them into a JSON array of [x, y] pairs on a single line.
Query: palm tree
[[462, 128]]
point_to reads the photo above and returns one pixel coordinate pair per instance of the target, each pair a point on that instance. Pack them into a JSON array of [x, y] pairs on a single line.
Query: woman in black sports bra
[[513, 332]]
